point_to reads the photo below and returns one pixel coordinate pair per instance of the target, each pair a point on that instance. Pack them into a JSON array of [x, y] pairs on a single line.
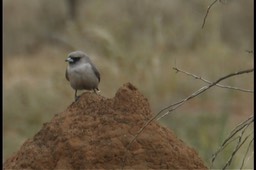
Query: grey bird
[[81, 72]]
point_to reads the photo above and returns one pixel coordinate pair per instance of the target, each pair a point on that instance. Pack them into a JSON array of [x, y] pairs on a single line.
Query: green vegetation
[[130, 41]]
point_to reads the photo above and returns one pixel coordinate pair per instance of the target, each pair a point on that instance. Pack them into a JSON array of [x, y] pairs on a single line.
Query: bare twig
[[204, 88], [208, 82], [235, 151], [242, 127], [207, 12], [243, 124], [247, 150], [223, 146], [180, 103], [228, 140]]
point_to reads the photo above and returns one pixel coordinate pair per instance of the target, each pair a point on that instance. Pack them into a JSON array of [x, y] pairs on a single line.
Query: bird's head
[[75, 57]]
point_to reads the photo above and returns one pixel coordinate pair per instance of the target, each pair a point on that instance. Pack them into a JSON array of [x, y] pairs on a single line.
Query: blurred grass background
[[137, 41]]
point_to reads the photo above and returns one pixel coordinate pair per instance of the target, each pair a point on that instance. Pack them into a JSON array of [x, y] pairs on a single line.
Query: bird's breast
[[82, 77]]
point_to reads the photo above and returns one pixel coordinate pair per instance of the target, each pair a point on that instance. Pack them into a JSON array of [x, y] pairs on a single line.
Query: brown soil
[[93, 133]]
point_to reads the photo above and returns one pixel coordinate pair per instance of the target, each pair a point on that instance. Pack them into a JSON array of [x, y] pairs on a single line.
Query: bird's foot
[[96, 90], [76, 98]]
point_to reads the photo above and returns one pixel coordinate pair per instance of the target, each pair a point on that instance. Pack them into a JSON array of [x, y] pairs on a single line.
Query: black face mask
[[75, 60]]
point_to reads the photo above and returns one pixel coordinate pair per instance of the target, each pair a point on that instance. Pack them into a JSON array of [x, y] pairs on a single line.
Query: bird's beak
[[70, 60]]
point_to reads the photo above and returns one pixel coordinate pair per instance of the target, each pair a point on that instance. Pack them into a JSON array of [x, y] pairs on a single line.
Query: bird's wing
[[96, 72], [66, 74]]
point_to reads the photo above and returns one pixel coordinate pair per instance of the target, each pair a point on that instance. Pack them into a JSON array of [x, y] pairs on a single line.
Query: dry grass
[[130, 41]]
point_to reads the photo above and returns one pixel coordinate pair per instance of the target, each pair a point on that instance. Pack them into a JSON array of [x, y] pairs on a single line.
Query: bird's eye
[[75, 59]]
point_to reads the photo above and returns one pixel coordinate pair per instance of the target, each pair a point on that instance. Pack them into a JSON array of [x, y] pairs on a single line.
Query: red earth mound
[[93, 133]]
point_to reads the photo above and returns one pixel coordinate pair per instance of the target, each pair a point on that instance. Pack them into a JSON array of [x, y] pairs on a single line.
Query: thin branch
[[221, 149], [227, 141], [208, 82], [180, 103], [207, 12], [239, 128], [247, 121], [247, 150], [235, 151], [201, 90]]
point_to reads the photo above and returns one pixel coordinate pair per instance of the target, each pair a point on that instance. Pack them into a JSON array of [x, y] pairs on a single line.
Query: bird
[[81, 72]]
